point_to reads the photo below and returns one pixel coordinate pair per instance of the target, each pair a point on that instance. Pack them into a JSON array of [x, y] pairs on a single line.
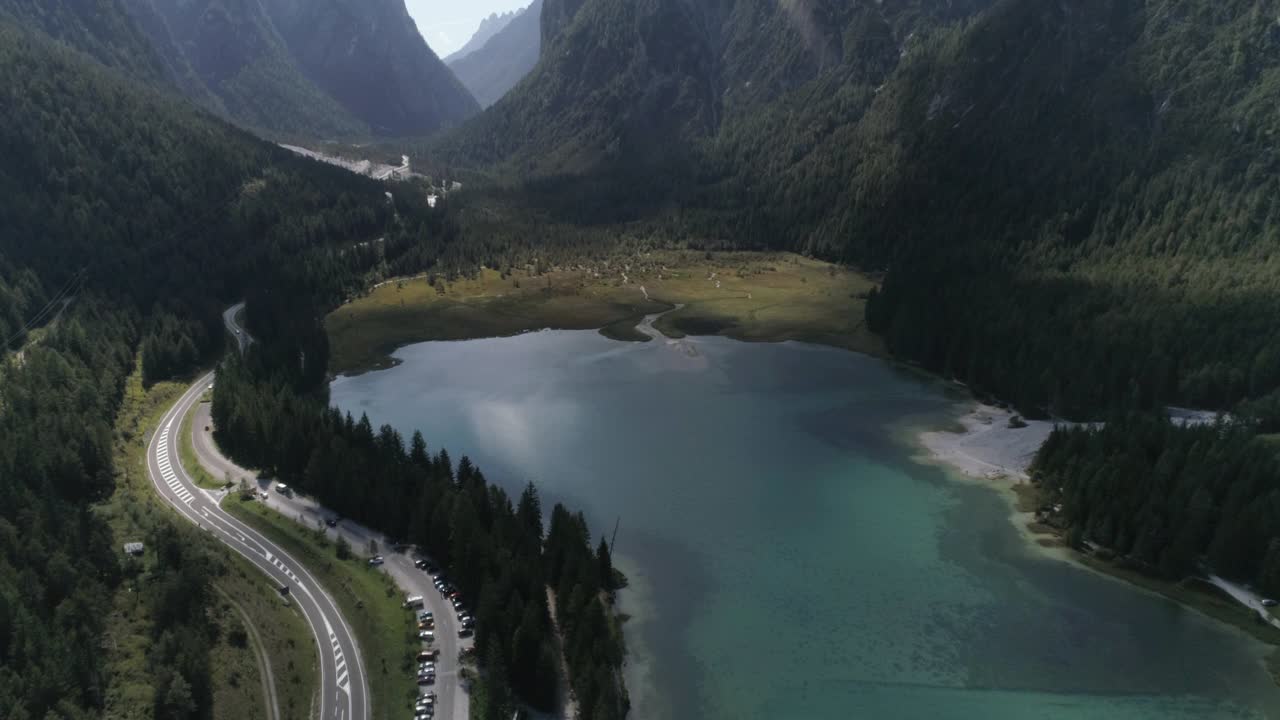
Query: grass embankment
[[368, 599], [187, 452], [765, 297], [132, 512]]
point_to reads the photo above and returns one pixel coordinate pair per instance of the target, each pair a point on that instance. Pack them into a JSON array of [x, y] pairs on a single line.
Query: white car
[[376, 560]]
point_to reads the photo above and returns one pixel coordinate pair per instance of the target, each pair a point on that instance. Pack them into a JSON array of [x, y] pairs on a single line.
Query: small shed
[[134, 549]]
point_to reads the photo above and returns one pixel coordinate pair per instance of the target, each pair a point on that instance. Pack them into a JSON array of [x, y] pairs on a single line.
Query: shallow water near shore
[[789, 558]]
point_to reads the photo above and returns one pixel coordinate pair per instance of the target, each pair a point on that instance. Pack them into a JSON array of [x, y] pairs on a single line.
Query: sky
[[448, 24]]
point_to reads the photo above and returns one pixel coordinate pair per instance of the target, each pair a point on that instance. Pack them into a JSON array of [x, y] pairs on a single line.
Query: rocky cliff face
[[489, 27], [504, 60]]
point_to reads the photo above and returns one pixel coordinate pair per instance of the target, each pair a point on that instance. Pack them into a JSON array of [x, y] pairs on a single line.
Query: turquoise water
[[788, 557]]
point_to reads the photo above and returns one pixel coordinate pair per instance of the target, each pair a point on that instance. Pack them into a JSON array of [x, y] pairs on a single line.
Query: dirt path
[[269, 697], [568, 706]]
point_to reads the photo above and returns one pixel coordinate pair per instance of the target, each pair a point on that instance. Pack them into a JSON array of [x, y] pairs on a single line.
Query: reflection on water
[[788, 558]]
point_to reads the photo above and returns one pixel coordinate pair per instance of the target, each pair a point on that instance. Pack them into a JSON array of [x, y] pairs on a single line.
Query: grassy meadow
[[763, 297]]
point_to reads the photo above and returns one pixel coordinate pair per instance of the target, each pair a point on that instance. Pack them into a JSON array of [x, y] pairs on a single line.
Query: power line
[[78, 277]]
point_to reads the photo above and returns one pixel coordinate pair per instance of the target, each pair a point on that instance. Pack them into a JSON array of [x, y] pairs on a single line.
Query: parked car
[[428, 655], [464, 632], [1268, 602], [420, 564], [468, 622], [427, 636], [376, 560], [425, 615], [429, 680], [427, 625]]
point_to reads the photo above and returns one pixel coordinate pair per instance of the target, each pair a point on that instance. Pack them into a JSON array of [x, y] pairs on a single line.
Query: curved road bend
[[239, 333], [452, 701], [344, 690]]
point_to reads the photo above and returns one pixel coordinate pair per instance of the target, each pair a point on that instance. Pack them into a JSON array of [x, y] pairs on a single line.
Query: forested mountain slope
[[146, 214], [647, 82], [238, 58], [322, 70], [504, 59], [1088, 215], [1076, 203], [101, 29], [370, 57], [623, 81]]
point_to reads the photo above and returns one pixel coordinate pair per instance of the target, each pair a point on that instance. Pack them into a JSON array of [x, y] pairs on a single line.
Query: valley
[[710, 288]]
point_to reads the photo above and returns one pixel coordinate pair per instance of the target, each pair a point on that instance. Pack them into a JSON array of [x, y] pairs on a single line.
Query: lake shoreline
[[996, 453], [747, 296]]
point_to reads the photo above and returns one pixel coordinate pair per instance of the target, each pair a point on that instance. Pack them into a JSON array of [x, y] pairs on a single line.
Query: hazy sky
[[448, 24]]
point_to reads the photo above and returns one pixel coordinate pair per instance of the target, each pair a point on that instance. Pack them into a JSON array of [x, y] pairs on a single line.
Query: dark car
[[420, 564], [465, 631], [333, 522]]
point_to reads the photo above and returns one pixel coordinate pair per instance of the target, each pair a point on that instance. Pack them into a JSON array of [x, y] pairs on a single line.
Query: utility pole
[[614, 540]]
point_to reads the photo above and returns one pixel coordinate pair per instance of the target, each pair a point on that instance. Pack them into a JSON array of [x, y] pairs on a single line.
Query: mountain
[[1077, 205], [647, 82], [622, 80], [240, 67], [369, 56], [323, 69], [489, 27], [504, 59], [134, 215], [100, 29]]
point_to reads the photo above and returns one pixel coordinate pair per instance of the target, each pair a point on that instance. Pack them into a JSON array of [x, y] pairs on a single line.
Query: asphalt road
[[344, 692], [229, 319], [452, 701], [1246, 597]]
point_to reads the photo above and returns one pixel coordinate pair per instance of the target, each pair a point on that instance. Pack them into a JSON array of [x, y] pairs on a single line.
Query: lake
[[788, 557]]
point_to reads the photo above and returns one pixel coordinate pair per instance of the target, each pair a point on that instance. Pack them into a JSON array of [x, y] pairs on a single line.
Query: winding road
[[344, 691]]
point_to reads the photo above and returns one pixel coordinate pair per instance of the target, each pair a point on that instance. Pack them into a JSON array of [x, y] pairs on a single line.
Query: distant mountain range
[[489, 27], [314, 69], [508, 53]]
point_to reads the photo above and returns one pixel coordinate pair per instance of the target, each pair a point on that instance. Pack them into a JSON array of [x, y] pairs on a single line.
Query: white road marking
[[185, 497]]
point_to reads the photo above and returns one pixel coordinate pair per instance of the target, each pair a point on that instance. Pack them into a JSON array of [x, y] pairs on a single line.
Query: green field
[[367, 598], [766, 297], [187, 453], [131, 512]]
